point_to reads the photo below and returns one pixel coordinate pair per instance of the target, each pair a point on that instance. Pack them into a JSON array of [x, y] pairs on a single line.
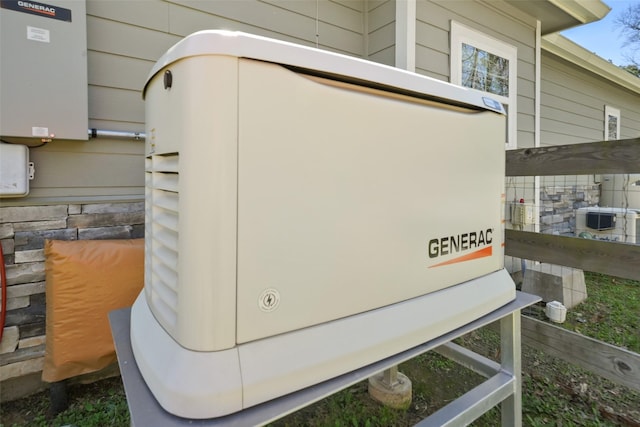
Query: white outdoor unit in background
[[612, 224], [307, 214]]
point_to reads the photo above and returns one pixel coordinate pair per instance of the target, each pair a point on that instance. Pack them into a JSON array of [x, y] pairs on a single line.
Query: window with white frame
[[611, 123], [488, 65]]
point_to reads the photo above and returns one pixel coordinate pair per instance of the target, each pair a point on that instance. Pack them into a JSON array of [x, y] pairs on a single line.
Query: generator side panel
[[350, 199], [191, 199], [43, 72]]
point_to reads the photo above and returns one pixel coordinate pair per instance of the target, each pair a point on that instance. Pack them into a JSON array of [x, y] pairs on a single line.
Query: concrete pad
[[395, 395], [555, 283]]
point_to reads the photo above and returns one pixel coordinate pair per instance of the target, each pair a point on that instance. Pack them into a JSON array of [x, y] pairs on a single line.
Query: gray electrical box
[[43, 71]]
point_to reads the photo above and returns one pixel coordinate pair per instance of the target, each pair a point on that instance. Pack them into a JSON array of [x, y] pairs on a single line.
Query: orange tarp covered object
[[85, 280]]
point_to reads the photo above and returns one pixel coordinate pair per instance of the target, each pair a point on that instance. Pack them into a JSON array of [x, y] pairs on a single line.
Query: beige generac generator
[[307, 214]]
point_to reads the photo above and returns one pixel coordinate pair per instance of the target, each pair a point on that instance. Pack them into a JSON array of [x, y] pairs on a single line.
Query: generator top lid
[[324, 63]]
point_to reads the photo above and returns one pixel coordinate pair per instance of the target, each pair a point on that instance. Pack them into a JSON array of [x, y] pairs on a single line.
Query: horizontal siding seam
[[142, 27], [332, 24]]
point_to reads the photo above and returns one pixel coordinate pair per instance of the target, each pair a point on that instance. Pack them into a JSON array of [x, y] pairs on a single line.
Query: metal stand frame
[[502, 386]]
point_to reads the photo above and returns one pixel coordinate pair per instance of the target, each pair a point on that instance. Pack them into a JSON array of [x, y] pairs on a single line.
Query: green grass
[[348, 408], [611, 312], [109, 410], [100, 404]]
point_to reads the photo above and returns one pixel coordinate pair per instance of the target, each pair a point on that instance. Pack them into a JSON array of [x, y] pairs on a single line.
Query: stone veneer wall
[[559, 204], [23, 231]]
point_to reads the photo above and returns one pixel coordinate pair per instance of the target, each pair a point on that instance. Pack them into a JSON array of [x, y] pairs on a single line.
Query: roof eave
[[559, 15], [584, 11], [576, 54]]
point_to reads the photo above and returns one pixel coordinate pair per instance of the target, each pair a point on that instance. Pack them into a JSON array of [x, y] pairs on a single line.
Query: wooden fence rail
[[614, 363], [614, 259], [611, 258], [604, 157]]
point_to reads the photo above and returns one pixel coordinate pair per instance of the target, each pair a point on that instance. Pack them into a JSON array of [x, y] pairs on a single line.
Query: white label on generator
[[38, 34], [39, 131]]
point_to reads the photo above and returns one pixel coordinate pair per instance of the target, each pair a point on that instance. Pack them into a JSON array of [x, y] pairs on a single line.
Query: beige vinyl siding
[[572, 104], [125, 38], [85, 171], [432, 46], [340, 28], [149, 14], [102, 65], [432, 39], [572, 109], [381, 31], [496, 19]]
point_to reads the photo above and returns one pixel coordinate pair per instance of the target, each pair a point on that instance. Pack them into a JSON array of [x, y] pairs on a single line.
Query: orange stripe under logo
[[44, 12], [481, 253]]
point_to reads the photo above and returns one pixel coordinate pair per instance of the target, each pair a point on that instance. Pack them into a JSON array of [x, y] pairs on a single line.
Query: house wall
[[572, 111], [23, 230], [381, 31], [572, 104], [496, 19], [124, 39]]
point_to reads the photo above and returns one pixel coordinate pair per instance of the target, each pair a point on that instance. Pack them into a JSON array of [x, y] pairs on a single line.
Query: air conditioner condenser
[[610, 224]]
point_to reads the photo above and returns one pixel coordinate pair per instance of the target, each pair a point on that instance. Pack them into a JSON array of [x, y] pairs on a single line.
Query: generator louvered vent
[[161, 217]]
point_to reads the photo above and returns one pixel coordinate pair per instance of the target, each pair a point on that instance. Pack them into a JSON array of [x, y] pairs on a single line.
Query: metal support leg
[[511, 361], [503, 385], [390, 376]]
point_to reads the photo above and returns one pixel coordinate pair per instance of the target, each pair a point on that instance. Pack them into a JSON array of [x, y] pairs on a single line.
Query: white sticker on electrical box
[[40, 131], [38, 34]]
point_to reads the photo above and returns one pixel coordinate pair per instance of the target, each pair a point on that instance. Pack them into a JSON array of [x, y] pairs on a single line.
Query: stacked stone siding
[[23, 231], [559, 204]]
